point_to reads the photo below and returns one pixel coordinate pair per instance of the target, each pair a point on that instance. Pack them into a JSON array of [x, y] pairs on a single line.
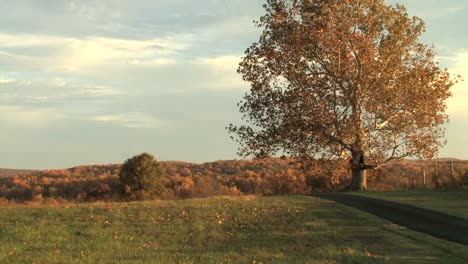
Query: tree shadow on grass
[[311, 230]]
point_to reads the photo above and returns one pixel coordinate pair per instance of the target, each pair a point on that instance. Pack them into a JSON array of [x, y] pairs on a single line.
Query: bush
[[142, 177]]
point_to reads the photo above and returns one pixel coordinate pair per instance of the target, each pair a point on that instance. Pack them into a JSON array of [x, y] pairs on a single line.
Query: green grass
[[295, 229], [449, 202]]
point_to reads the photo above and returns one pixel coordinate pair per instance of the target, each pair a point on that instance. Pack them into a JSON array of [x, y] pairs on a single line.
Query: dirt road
[[423, 220]]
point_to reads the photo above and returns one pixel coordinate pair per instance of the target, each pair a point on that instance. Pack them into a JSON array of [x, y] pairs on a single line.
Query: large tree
[[342, 79]]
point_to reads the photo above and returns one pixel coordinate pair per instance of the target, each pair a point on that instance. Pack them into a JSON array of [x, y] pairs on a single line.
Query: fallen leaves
[[56, 250]]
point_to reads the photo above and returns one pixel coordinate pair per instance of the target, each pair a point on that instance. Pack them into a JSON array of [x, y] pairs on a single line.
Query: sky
[[98, 81]]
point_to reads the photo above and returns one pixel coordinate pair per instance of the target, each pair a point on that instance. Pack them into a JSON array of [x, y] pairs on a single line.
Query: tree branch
[[392, 157], [337, 140], [385, 123], [358, 60]]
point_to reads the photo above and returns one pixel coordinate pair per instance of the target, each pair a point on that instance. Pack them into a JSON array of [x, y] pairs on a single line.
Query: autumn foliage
[[272, 176], [336, 79]]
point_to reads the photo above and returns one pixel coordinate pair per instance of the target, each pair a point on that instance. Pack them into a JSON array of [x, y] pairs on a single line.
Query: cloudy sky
[[97, 81]]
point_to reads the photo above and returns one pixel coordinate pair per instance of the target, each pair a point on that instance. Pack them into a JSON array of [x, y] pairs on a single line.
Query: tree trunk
[[359, 180], [358, 168]]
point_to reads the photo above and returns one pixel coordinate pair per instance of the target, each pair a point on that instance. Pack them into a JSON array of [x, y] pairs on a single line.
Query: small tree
[[142, 177], [342, 80]]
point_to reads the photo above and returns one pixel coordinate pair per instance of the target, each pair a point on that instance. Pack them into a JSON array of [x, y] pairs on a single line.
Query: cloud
[[153, 62], [221, 64], [457, 103], [82, 53], [96, 91], [73, 54], [130, 120], [455, 9], [2, 80], [213, 73], [221, 72], [54, 90], [23, 117], [30, 40]]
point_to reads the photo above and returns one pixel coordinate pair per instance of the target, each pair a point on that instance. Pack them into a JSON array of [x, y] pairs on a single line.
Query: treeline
[[231, 177], [183, 180], [13, 172], [409, 174], [83, 183]]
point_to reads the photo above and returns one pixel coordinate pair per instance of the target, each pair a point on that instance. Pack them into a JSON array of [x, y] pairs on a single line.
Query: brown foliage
[[230, 177], [335, 79]]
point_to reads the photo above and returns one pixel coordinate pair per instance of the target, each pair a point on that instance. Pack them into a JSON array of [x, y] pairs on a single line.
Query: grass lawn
[[293, 229], [450, 202]]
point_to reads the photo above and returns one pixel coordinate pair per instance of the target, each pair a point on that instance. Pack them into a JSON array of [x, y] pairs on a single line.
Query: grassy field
[[295, 229], [450, 202]]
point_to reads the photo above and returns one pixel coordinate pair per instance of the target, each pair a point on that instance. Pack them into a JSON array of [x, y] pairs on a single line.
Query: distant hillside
[[4, 173], [451, 159], [227, 177], [184, 180]]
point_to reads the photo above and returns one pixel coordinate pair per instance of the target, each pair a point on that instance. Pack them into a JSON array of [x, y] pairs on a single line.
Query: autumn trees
[[342, 80], [272, 176]]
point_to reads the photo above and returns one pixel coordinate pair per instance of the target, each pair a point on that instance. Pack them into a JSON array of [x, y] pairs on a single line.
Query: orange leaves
[[183, 214], [56, 250], [363, 60], [255, 262], [219, 220]]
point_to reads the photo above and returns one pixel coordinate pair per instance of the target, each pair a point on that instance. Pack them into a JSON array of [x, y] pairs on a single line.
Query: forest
[[273, 176]]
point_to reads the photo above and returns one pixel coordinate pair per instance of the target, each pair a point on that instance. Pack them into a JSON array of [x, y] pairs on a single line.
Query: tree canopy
[[142, 176], [342, 80]]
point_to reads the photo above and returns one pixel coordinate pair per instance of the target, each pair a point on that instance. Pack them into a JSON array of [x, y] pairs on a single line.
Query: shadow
[[434, 223]]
